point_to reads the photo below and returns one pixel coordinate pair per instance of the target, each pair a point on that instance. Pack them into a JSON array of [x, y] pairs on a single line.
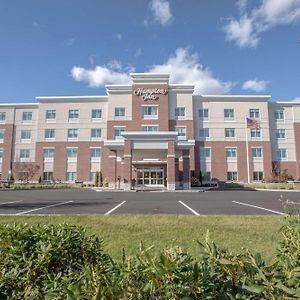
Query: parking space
[[86, 201]]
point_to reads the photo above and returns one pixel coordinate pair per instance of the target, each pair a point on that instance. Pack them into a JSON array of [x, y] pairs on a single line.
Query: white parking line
[[110, 211], [262, 208], [189, 208], [11, 202], [28, 211]]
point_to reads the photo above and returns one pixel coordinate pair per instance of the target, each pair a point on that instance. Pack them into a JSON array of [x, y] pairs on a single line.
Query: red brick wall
[[7, 148], [297, 146], [218, 158]]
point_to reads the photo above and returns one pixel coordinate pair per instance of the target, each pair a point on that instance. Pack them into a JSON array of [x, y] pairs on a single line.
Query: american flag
[[252, 123]]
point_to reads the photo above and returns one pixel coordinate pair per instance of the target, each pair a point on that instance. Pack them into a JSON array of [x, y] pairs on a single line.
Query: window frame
[[229, 117], [253, 113], [228, 130], [178, 110], [205, 137], [149, 116], [203, 117], [51, 138]]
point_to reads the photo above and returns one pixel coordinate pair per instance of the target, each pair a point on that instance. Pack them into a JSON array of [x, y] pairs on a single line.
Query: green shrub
[[61, 262], [40, 260]]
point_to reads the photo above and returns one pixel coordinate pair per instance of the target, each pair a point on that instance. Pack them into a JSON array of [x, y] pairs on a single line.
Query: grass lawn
[[257, 233]]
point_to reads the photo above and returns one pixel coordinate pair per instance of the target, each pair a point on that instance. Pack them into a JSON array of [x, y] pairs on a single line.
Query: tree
[[25, 171]]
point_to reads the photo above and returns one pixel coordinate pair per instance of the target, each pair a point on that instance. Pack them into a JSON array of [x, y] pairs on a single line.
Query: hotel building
[[151, 133]]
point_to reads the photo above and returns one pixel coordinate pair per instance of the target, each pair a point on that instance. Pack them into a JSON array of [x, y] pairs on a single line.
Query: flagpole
[[247, 151]]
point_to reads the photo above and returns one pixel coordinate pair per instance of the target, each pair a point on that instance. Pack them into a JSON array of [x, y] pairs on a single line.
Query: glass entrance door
[[150, 177]]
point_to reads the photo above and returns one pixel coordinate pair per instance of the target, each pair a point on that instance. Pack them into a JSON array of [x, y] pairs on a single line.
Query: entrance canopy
[[149, 140]]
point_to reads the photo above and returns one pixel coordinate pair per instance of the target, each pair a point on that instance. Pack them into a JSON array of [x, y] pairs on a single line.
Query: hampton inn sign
[[150, 94], [137, 142]]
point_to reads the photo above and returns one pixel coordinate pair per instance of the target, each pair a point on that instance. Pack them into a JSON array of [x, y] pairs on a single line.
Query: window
[[279, 115], [72, 133], [72, 152], [24, 153], [282, 154], [120, 112], [96, 114], [150, 128], [96, 133], [254, 113], [280, 133], [93, 176], [231, 152], [73, 114], [27, 116], [181, 132], [49, 133], [180, 112], [232, 176], [204, 153], [71, 176], [25, 135], [229, 133], [48, 176], [258, 176], [203, 113], [257, 153], [255, 133], [204, 133], [48, 152], [228, 114], [50, 115], [2, 116], [1, 153], [1, 135], [206, 176], [95, 152], [118, 131], [150, 112]]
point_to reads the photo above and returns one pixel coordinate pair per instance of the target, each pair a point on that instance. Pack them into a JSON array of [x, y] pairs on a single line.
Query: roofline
[[46, 99], [235, 96], [18, 104]]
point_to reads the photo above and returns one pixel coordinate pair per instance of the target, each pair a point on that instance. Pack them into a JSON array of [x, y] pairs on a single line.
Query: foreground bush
[[61, 262]]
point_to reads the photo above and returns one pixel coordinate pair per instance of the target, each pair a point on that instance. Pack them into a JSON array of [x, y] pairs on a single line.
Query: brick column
[[171, 166], [127, 166], [186, 169], [111, 171], [297, 148]]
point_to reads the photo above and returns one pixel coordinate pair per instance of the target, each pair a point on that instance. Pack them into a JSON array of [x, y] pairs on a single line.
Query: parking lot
[[86, 201]]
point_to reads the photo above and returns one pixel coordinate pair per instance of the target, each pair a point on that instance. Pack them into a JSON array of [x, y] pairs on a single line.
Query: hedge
[[63, 262]]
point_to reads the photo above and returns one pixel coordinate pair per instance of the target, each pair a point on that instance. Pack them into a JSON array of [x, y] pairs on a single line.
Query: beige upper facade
[[196, 118]]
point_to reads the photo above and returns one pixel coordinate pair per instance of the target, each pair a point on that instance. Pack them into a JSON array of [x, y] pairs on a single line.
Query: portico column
[[186, 169], [127, 166], [171, 166], [111, 171]]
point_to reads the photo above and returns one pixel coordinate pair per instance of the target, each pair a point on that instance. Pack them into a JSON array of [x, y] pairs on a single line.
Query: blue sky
[[65, 47]]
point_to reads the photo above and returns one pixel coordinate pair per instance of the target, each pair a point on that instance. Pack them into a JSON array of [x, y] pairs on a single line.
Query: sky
[[75, 47]]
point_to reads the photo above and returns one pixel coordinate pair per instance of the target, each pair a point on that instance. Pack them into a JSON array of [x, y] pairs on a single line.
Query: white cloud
[[71, 41], [161, 12], [297, 99], [185, 68], [246, 30], [255, 85], [114, 72], [138, 52]]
